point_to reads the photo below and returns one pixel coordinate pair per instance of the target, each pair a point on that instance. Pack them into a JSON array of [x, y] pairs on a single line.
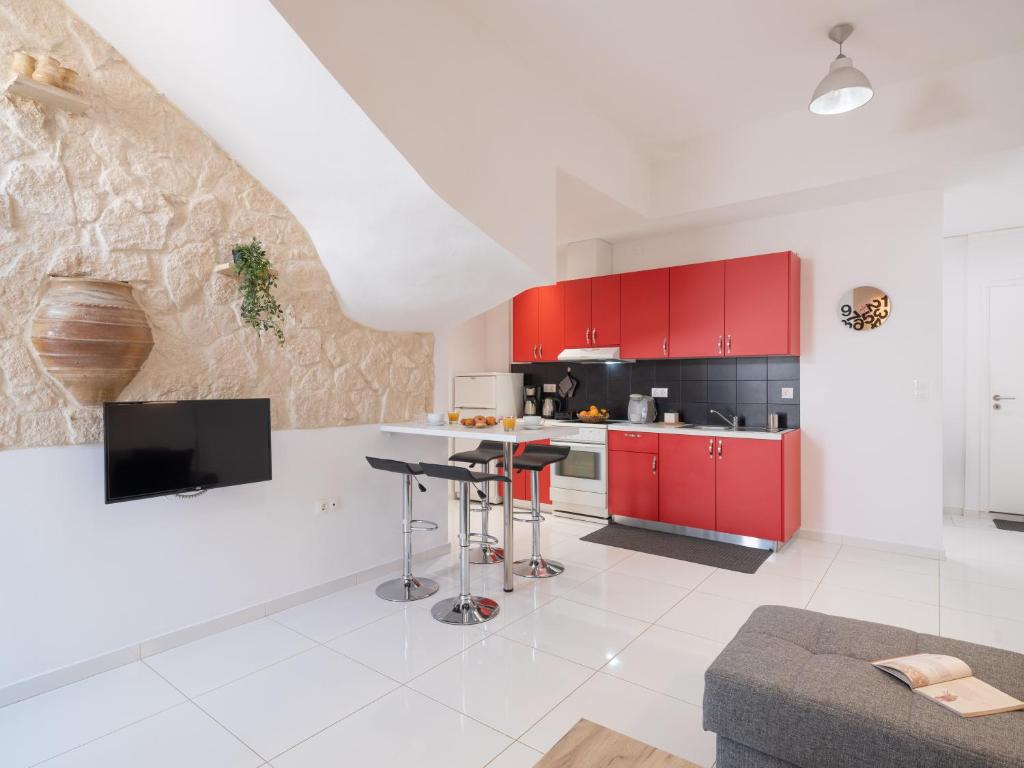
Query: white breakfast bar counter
[[521, 434]]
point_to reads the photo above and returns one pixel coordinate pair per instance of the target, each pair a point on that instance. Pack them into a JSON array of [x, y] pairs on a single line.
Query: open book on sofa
[[949, 681]]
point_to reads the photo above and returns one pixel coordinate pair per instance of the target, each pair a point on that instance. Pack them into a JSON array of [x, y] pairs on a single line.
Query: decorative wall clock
[[864, 308]]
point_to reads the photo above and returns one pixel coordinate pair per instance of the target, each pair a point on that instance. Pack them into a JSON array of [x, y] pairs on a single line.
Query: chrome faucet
[[733, 423]]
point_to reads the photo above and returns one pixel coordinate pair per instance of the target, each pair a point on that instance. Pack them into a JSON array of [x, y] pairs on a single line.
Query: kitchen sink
[[713, 427]]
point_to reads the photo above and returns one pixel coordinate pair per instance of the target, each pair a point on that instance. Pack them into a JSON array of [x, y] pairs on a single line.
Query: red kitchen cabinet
[[686, 480], [748, 487], [577, 312], [592, 311], [605, 312], [633, 484], [762, 305], [525, 326], [645, 313], [697, 310], [551, 321], [538, 324]]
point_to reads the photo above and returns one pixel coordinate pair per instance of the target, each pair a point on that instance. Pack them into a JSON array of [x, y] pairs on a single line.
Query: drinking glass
[[453, 416], [509, 423]]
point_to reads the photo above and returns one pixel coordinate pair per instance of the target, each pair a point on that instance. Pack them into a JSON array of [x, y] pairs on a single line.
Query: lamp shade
[[844, 88]]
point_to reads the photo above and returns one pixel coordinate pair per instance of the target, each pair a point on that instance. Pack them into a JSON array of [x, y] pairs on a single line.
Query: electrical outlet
[[322, 505], [787, 393], [332, 503], [659, 391]]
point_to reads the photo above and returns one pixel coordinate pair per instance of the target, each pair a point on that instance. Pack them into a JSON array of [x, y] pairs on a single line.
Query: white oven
[[579, 483]]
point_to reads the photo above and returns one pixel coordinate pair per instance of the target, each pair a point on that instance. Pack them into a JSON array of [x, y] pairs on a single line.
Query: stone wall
[[133, 191]]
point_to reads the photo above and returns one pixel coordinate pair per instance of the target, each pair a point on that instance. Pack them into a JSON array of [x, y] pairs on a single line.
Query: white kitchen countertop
[[520, 434], [661, 428]]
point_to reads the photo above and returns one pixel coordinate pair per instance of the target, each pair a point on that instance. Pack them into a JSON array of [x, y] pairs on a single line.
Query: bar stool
[[488, 450], [465, 609], [407, 587], [533, 459]]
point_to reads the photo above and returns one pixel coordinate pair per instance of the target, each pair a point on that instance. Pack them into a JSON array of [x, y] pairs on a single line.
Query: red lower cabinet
[[742, 486], [686, 484], [633, 484], [749, 487]]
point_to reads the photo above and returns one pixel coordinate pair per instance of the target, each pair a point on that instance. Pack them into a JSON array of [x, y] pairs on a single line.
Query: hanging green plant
[[259, 307]]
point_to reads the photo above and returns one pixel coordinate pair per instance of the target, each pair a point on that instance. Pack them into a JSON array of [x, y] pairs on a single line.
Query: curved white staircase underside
[[400, 257]]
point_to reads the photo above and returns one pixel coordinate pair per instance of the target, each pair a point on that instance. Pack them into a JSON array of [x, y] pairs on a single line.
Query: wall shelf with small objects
[[46, 81], [228, 268]]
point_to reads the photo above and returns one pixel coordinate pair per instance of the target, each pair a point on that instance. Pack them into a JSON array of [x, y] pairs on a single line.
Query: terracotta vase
[[91, 336]]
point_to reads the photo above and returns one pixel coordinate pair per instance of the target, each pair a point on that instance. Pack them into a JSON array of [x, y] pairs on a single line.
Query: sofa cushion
[[796, 685]]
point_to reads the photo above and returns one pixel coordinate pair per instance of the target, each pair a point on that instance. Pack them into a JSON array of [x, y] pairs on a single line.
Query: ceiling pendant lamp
[[845, 87]]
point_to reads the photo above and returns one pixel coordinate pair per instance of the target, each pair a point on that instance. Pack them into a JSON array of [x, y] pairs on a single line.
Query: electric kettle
[[641, 409]]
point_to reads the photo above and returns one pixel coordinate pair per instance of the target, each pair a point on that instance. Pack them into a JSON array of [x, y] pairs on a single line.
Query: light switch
[[659, 391], [786, 393]]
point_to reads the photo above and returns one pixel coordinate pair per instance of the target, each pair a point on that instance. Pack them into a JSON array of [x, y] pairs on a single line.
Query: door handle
[[997, 398], [711, 448], [719, 449], [719, 345], [534, 351], [541, 351], [664, 346], [728, 344], [588, 336], [593, 335], [654, 465]]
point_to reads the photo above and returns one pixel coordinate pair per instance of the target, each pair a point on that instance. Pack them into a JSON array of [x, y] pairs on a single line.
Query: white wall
[[92, 578], [954, 340], [872, 456], [482, 343]]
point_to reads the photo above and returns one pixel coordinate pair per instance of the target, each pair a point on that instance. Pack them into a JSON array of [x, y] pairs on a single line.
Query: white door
[[1006, 399]]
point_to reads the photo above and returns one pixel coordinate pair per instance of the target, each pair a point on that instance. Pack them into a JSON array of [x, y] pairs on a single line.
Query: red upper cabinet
[[592, 311], [577, 312], [645, 313], [748, 486], [633, 484], [697, 310], [686, 484], [605, 312], [525, 326], [762, 305], [551, 314]]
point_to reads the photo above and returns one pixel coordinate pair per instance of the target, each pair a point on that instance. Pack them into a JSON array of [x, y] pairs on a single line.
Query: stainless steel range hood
[[592, 355]]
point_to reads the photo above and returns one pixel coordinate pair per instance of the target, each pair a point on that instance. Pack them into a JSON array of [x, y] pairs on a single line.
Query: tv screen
[[159, 448]]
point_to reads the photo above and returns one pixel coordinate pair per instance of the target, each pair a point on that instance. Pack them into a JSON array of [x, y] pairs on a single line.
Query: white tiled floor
[[621, 638]]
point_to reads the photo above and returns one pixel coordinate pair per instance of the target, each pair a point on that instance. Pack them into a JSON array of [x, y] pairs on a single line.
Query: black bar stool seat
[[465, 608], [407, 587], [484, 553], [533, 459]]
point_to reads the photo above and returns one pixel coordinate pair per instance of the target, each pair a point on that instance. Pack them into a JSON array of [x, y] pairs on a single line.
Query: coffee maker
[[531, 405]]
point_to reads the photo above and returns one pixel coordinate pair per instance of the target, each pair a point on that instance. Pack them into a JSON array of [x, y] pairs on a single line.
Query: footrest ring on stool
[[423, 525], [482, 538], [527, 517]]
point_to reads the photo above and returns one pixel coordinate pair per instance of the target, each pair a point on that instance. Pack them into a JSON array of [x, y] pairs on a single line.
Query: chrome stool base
[[486, 555], [401, 590], [537, 568], [466, 611]]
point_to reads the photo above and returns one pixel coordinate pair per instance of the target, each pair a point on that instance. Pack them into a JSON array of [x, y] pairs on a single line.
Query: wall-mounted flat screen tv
[[159, 448]]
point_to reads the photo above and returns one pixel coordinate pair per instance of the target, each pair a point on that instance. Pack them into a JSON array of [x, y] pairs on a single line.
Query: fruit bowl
[[592, 418]]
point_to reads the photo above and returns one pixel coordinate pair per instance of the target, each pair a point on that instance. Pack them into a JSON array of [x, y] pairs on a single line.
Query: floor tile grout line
[[196, 704], [822, 579], [111, 733]]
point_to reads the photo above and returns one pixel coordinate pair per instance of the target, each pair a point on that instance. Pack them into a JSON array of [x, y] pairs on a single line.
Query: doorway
[[1006, 399]]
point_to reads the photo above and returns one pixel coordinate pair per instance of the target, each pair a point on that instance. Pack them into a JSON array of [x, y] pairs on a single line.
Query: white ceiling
[[667, 70]]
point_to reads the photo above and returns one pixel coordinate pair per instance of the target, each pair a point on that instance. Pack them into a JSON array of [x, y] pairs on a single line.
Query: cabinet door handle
[[728, 344], [534, 351], [593, 335], [588, 336], [654, 465], [719, 345], [719, 449], [711, 448], [664, 346], [541, 351]]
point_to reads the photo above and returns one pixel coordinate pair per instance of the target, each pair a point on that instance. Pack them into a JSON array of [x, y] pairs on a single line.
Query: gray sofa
[[793, 689]]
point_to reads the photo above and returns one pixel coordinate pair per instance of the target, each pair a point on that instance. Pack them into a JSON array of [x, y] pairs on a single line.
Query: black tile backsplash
[[750, 387]]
